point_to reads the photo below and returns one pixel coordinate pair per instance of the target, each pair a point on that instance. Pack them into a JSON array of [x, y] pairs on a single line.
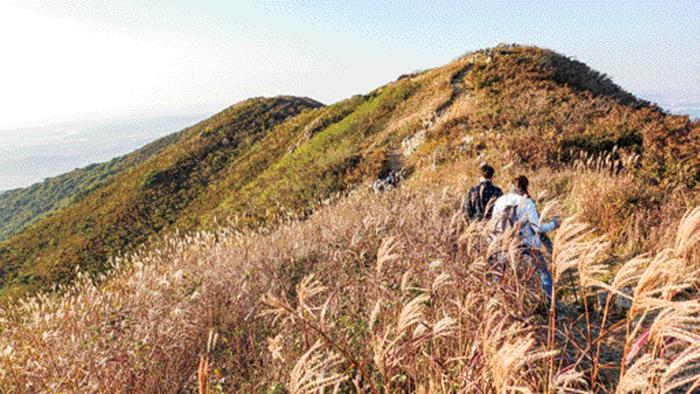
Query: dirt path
[[395, 161], [459, 88]]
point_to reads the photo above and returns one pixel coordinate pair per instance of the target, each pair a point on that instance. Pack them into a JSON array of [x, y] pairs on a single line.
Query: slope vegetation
[[20, 208], [139, 201], [258, 161], [387, 292], [377, 293]]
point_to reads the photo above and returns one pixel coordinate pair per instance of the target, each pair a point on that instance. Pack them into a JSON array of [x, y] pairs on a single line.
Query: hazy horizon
[[30, 155], [112, 65]]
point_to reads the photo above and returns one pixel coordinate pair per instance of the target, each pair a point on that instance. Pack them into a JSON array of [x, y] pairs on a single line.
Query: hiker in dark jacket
[[478, 205]]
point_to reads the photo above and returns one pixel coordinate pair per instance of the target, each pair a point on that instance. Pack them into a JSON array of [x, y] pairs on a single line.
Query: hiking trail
[[459, 88]]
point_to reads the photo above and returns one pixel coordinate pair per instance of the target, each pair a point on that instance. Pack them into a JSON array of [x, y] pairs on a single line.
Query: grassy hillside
[[389, 287], [20, 208], [249, 162], [257, 161], [139, 201], [383, 292]]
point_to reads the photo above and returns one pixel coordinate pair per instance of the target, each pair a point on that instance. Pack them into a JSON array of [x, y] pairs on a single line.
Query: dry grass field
[[317, 284], [388, 292]]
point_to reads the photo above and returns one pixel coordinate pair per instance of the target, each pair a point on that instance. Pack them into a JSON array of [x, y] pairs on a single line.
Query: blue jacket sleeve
[[534, 219]]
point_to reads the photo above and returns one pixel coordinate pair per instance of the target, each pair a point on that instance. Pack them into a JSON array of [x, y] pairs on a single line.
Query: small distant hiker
[[516, 208], [378, 185], [382, 184], [480, 200], [392, 179]]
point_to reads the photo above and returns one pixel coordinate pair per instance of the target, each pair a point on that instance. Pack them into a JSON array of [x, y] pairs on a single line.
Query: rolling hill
[[264, 158], [111, 207], [19, 208], [260, 261]]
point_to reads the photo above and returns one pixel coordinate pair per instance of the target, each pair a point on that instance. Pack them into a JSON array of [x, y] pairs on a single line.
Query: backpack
[[476, 205], [472, 205], [507, 219]]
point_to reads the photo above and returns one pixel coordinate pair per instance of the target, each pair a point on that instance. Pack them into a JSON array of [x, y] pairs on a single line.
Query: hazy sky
[[71, 60]]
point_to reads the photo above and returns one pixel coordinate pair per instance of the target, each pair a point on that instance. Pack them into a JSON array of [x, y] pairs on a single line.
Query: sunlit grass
[[378, 292]]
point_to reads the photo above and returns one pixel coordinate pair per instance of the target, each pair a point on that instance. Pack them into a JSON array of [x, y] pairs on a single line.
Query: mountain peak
[[521, 62]]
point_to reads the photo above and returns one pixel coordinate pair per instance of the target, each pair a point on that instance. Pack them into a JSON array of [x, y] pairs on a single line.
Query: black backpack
[[475, 206]]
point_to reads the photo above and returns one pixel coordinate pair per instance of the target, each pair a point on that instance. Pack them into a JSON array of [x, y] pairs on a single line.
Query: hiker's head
[[521, 183], [486, 171]]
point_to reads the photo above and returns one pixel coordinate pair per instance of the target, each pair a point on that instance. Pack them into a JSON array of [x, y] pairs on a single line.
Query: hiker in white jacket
[[526, 213]]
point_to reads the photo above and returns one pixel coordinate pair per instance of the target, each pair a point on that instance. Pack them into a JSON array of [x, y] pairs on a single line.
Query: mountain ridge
[[490, 99], [260, 259], [75, 223]]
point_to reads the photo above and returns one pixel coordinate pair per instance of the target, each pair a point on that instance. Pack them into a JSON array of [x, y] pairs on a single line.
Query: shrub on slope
[[545, 109]]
